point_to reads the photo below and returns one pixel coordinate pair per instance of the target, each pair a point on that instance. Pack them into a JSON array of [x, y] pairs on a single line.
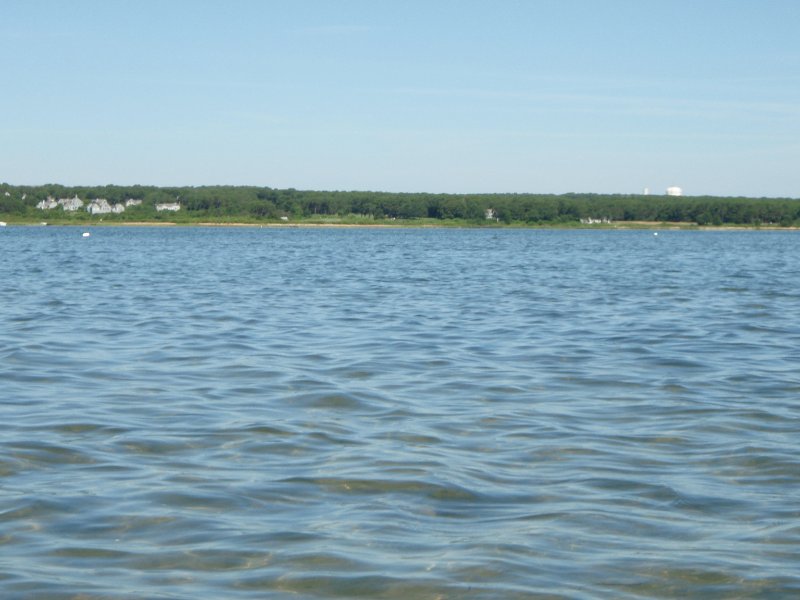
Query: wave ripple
[[244, 413]]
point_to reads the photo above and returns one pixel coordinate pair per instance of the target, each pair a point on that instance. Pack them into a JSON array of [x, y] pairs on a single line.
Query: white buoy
[[86, 234], [656, 233]]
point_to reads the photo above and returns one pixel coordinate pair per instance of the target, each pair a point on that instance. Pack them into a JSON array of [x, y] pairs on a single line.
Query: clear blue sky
[[607, 96]]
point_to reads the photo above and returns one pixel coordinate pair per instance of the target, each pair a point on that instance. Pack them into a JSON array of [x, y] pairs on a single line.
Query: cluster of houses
[[595, 221], [99, 206]]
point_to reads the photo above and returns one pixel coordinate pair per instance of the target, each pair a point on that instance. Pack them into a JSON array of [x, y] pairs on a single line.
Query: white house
[[98, 206], [71, 204], [47, 204]]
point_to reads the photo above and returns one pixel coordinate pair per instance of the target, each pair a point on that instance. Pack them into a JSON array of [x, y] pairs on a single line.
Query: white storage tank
[[674, 191]]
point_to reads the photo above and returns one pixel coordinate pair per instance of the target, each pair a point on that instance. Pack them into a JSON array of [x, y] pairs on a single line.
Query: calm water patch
[[317, 413]]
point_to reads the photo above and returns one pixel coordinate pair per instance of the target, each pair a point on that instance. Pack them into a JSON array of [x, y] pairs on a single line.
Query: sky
[[469, 96]]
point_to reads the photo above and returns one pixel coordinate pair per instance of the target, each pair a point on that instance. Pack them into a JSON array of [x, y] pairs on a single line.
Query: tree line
[[264, 203]]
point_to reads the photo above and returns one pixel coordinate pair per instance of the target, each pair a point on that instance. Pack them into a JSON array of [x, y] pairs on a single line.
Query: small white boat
[[2, 223]]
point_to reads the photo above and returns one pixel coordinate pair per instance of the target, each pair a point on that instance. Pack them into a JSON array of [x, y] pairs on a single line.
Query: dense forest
[[261, 204]]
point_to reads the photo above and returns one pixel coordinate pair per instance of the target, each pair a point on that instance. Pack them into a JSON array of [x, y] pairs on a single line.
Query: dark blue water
[[433, 414]]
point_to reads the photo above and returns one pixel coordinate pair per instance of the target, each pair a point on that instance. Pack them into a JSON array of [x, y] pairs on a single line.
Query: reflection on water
[[399, 413]]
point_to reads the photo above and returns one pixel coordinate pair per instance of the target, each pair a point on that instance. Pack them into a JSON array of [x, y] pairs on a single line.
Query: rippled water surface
[[433, 414]]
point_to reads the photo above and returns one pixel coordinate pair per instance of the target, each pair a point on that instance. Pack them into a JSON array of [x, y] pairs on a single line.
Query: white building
[[173, 206], [98, 206], [71, 204], [47, 204], [674, 191]]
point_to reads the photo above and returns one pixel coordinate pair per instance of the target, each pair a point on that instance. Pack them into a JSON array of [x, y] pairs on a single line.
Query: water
[[433, 414]]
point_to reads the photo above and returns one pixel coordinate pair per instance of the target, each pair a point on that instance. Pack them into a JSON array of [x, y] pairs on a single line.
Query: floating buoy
[[86, 234], [656, 233]]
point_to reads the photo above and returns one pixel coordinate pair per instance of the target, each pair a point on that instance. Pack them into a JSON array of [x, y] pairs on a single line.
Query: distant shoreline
[[621, 225], [239, 206]]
